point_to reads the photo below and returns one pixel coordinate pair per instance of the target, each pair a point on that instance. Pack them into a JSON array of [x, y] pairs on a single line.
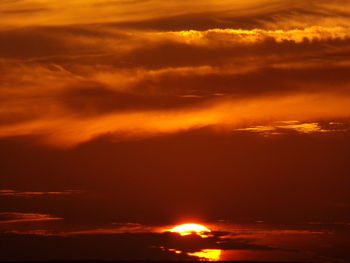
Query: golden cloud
[[65, 131], [70, 78]]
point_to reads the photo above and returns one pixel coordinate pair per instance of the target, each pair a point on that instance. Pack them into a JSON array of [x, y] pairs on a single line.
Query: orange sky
[[152, 112]]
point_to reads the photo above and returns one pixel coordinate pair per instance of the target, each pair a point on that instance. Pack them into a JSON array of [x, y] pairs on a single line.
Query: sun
[[188, 229], [203, 232]]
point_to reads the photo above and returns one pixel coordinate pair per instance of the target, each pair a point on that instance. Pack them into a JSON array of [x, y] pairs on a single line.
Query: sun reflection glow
[[203, 232], [208, 254]]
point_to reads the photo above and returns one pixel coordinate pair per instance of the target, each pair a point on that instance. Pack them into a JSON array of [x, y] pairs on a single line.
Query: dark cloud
[[116, 246], [83, 247], [197, 21], [15, 193], [40, 41], [96, 100], [164, 73], [194, 243]]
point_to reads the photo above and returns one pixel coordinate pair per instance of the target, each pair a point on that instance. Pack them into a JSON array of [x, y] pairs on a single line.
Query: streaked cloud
[[68, 131], [117, 228], [15, 193], [78, 78], [19, 217], [282, 241], [230, 36], [287, 126]]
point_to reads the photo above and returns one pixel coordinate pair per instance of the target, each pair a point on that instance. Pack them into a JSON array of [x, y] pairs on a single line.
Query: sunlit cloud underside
[[133, 73]]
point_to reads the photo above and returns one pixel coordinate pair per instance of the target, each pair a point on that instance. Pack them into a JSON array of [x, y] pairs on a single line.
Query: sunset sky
[[121, 119]]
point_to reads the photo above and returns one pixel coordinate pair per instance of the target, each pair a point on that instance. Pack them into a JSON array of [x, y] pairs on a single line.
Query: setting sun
[[203, 232], [175, 131], [187, 229]]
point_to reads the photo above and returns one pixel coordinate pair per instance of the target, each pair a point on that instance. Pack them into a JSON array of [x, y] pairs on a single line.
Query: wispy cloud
[[118, 228], [67, 131], [19, 217], [288, 126], [15, 193], [108, 75], [227, 237]]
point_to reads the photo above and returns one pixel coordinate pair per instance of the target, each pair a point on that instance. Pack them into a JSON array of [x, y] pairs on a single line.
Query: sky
[[120, 119]]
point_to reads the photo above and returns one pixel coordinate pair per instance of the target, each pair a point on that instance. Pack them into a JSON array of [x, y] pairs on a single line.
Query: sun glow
[[203, 232], [207, 254], [188, 229]]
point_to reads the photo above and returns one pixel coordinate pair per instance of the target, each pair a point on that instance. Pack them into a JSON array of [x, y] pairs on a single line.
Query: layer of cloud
[[15, 193], [288, 126], [18, 217], [63, 130], [137, 241], [142, 237], [78, 78], [143, 14], [117, 246]]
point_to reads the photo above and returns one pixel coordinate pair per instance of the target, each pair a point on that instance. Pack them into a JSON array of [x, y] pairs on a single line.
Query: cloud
[[224, 37], [172, 15], [17, 217], [78, 78], [124, 11], [68, 131], [118, 228], [136, 241], [121, 247], [15, 193], [287, 126], [130, 246]]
